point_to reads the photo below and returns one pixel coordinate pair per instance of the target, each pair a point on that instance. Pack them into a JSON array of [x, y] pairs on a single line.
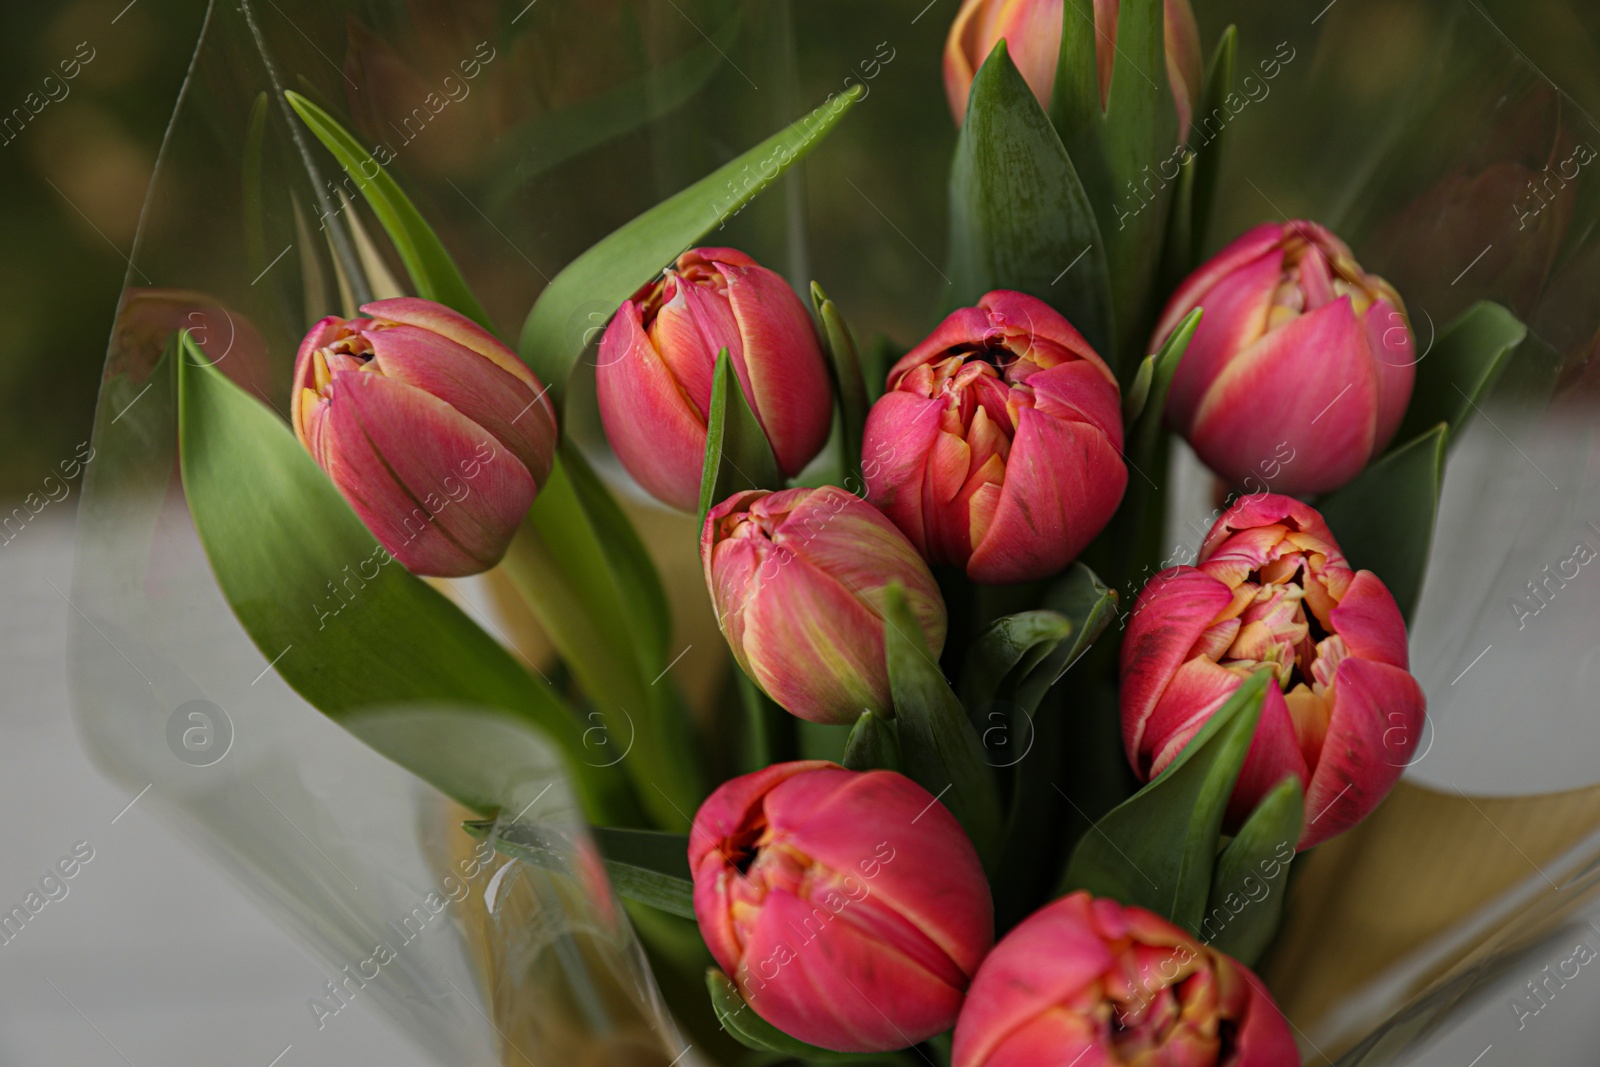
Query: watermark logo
[[199, 733]]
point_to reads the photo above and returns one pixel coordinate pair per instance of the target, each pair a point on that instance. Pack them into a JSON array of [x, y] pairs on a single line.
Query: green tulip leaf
[[1384, 518], [642, 865], [849, 387], [1011, 648], [1158, 849], [938, 746], [558, 327], [738, 455], [1019, 217], [872, 745], [433, 273], [1252, 876], [1456, 375], [1111, 150], [280, 539], [1134, 535], [1207, 163], [1081, 596]]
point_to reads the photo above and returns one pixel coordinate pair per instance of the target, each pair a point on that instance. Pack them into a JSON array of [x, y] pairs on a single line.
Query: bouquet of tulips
[[1003, 777]]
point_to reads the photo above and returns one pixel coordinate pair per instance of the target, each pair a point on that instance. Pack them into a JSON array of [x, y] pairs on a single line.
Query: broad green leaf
[[872, 745], [1011, 647], [1384, 519], [646, 610], [1207, 164], [558, 327], [346, 626], [1158, 849], [938, 747], [642, 865], [559, 563], [1019, 217], [1456, 375], [433, 273], [1081, 596], [1252, 876], [850, 388], [1134, 534], [738, 455]]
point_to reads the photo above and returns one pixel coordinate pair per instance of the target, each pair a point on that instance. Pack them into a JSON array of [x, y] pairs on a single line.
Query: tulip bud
[[1299, 354], [998, 446], [1032, 32], [1086, 980], [658, 355], [437, 435], [848, 907], [797, 579], [1272, 591]]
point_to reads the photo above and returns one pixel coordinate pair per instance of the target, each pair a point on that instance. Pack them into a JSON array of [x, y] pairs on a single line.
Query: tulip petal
[[1197, 689], [1077, 392], [1235, 316], [821, 979], [824, 819], [1063, 482], [963, 326], [780, 364], [447, 322], [1269, 509], [656, 431], [1274, 755], [805, 616], [1263, 1038], [899, 436], [434, 487], [499, 402], [1377, 717], [1394, 356], [1315, 376], [1049, 959], [320, 335], [1370, 622], [839, 535], [1175, 608], [688, 332]]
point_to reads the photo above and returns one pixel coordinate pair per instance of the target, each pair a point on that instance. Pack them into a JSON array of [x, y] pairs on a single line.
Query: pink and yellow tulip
[[1298, 350], [848, 908], [797, 579], [1090, 982], [435, 433], [1032, 32], [998, 444], [658, 355], [1272, 591]]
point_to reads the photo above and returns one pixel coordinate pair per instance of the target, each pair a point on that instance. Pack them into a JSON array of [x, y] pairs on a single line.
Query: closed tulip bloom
[[849, 908], [658, 355], [1032, 32], [1091, 983], [797, 579], [1272, 591], [435, 433], [998, 446], [1299, 350]]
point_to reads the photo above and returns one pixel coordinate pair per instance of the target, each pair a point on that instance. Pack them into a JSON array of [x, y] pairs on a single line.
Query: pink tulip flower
[[658, 355], [1092, 983], [848, 907], [435, 433], [1272, 591], [1299, 352], [1032, 32], [998, 446], [797, 579]]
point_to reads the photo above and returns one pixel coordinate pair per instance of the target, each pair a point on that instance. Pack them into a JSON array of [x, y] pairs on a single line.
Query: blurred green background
[[73, 175]]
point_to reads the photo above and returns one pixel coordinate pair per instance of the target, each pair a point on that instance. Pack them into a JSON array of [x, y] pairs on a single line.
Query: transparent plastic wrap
[[1441, 152]]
